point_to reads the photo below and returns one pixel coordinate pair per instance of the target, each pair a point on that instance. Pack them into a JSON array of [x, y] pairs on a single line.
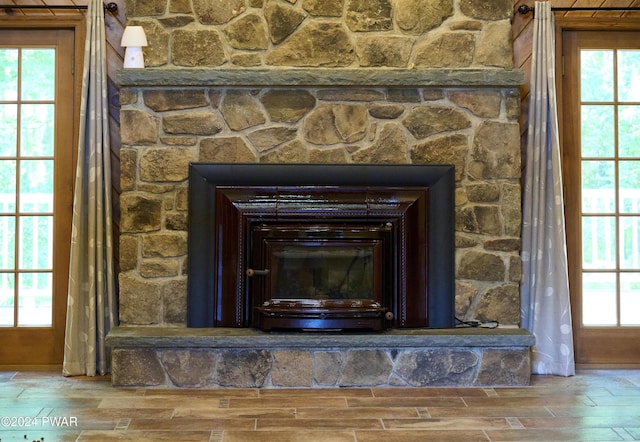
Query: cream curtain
[[91, 309], [544, 290]]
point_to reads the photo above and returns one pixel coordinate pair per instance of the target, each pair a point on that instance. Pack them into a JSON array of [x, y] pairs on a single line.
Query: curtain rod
[[525, 9], [110, 7]]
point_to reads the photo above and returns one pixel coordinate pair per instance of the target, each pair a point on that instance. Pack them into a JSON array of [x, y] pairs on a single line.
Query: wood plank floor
[[601, 405]]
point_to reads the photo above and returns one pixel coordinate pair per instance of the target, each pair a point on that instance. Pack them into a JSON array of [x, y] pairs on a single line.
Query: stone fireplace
[[324, 82]]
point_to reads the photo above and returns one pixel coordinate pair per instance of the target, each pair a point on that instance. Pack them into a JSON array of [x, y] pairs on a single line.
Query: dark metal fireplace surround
[[321, 247]]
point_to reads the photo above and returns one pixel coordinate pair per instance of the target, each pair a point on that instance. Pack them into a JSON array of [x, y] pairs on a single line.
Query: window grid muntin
[[17, 274], [617, 214]]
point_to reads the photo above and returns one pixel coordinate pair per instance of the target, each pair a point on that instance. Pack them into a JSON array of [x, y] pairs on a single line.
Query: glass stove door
[[322, 270]]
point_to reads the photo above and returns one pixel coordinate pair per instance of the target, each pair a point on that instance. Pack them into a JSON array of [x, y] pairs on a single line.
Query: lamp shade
[[133, 36]]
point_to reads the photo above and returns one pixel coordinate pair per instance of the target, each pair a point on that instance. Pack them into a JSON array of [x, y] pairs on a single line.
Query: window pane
[[34, 299], [7, 296], [8, 74], [36, 242], [7, 242], [596, 75], [629, 242], [38, 74], [598, 187], [8, 129], [599, 306], [629, 130], [629, 187], [7, 186], [36, 130], [598, 134], [36, 186], [628, 75], [598, 242], [630, 299]]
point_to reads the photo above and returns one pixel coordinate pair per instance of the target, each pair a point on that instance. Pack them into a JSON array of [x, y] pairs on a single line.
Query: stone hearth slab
[[249, 358]]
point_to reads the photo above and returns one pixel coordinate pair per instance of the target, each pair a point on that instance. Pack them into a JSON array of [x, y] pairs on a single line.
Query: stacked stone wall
[[325, 33], [163, 129], [477, 131]]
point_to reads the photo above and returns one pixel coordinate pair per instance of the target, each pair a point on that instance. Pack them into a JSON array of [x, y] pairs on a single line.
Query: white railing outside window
[[31, 270]]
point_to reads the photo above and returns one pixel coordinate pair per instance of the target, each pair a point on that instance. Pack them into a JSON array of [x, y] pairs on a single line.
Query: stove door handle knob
[[388, 316], [255, 272]]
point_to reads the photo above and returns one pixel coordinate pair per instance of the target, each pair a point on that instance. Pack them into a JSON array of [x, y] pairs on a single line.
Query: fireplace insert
[[320, 247], [321, 276]]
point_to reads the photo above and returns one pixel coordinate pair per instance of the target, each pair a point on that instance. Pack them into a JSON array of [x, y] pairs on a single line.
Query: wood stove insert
[[320, 247], [329, 275]]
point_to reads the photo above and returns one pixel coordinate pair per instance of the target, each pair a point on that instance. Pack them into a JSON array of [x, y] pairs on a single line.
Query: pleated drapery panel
[[91, 305], [544, 292]]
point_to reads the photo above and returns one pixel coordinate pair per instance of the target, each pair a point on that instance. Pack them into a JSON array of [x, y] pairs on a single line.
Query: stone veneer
[[320, 81], [248, 358], [476, 130]]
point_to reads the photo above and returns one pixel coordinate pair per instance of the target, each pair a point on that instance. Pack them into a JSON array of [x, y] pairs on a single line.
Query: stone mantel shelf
[[222, 337], [319, 77]]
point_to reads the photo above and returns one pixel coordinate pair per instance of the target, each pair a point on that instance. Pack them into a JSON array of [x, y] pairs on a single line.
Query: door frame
[[54, 336], [593, 346]]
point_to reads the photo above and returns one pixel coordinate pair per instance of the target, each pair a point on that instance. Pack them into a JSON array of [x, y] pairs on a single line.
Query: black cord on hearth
[[476, 324]]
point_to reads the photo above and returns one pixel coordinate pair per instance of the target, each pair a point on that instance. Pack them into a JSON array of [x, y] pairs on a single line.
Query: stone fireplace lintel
[[300, 77]]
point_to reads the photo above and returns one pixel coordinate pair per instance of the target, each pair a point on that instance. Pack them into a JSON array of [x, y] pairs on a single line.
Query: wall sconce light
[[133, 39]]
